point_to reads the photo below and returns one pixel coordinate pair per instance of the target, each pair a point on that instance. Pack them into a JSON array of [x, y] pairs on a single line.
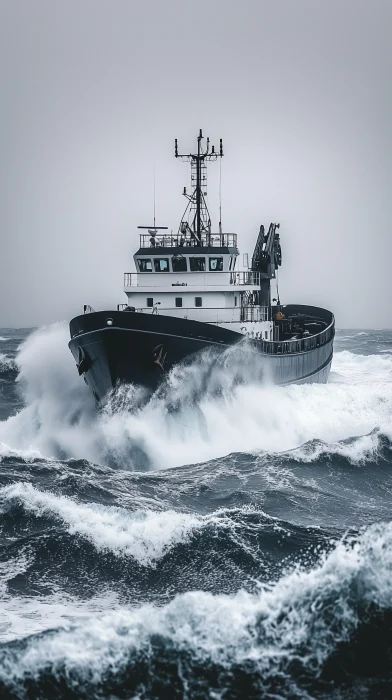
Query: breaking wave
[[144, 535], [208, 415], [279, 641]]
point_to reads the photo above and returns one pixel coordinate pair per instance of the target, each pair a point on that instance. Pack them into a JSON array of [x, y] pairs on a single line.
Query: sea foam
[[145, 536], [7, 363], [302, 618], [204, 411]]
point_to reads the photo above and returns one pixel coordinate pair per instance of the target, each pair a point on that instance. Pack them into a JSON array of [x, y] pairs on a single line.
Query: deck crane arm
[[267, 255]]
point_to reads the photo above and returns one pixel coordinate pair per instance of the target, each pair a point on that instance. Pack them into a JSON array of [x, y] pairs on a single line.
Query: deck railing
[[193, 279], [289, 347], [207, 314], [255, 313], [207, 240]]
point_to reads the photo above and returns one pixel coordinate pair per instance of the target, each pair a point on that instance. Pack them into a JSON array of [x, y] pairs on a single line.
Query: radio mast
[[200, 221]]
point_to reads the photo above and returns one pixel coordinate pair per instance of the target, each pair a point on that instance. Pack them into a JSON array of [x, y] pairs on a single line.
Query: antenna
[[154, 228], [220, 194], [197, 206], [154, 194]]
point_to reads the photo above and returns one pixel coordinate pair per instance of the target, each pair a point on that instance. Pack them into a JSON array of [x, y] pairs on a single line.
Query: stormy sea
[[224, 538]]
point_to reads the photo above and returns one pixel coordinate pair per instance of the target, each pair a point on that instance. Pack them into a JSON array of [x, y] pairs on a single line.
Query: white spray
[[203, 413]]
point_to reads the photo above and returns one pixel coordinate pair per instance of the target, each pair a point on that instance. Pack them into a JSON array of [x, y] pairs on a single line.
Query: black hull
[[141, 349]]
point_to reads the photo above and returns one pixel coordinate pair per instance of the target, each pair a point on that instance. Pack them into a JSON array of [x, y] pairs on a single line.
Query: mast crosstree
[[199, 220]]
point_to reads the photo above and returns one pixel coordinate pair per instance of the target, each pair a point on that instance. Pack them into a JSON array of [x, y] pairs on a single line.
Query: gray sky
[[93, 93]]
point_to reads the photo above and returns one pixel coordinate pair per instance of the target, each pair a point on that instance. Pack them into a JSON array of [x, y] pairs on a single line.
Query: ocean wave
[[144, 555], [286, 634], [362, 368], [7, 364], [359, 450], [144, 535], [243, 575], [11, 566], [34, 614], [147, 536], [202, 413], [27, 455]]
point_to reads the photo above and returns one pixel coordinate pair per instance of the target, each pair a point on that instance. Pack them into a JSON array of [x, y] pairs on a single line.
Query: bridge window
[[197, 265], [150, 302], [198, 301], [178, 302], [145, 265], [179, 264], [161, 264], [216, 264]]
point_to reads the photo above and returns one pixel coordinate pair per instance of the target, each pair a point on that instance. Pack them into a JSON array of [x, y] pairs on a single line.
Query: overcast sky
[[93, 93]]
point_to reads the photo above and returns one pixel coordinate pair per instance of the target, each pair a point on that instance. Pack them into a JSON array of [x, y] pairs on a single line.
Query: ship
[[189, 293]]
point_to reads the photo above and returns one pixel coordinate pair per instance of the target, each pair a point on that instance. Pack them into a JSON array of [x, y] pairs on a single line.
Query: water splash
[[7, 363], [204, 411]]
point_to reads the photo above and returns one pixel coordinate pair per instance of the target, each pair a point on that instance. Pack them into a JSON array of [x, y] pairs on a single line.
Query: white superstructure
[[198, 280]]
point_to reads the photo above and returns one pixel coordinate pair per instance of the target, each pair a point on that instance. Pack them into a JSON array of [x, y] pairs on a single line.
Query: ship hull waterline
[[116, 347]]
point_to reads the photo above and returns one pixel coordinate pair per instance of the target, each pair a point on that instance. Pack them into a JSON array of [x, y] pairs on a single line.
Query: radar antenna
[[200, 221]]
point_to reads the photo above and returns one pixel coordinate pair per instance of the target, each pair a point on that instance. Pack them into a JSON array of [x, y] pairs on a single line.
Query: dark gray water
[[223, 540]]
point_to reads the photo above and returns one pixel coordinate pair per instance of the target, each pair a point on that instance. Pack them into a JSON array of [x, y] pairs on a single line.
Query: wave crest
[[144, 535], [287, 631]]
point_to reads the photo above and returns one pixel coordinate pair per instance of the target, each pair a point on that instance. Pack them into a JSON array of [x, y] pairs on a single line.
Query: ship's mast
[[196, 201]]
